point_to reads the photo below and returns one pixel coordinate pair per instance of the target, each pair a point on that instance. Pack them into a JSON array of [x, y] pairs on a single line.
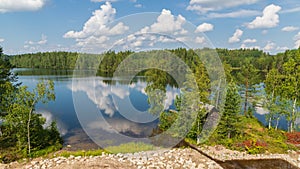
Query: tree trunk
[[288, 126], [246, 97], [28, 133], [277, 122], [28, 129], [271, 104], [293, 118], [198, 135], [218, 94], [270, 120]]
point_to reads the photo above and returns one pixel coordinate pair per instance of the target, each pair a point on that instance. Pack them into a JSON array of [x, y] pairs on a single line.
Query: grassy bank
[[255, 138]]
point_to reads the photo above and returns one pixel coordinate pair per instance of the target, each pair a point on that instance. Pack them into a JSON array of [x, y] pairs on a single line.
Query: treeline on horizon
[[111, 59]]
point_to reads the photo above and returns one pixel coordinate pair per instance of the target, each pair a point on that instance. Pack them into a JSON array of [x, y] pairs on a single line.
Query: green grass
[[46, 151], [81, 153], [131, 147]]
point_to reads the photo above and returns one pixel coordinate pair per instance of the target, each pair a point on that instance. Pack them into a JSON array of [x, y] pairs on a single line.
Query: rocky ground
[[174, 158]]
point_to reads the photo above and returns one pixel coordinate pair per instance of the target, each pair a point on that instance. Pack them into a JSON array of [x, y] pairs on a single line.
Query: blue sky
[[83, 25]]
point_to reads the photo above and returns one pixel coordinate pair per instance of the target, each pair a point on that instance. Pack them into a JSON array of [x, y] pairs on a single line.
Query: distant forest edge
[[111, 59]]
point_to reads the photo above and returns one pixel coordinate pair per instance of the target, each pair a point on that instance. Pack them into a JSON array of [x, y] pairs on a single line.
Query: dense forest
[[254, 79]]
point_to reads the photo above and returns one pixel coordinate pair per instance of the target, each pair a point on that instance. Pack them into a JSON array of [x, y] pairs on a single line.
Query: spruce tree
[[228, 124]]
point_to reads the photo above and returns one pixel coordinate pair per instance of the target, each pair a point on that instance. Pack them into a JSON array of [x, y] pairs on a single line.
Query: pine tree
[[228, 124], [248, 77], [6, 83]]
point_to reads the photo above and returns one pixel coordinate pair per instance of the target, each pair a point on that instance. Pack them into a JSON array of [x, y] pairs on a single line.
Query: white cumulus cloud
[[203, 6], [236, 36], [297, 40], [97, 30], [40, 42], [250, 40], [21, 5], [43, 40], [1, 40], [282, 48], [289, 28], [200, 40], [270, 46], [235, 14], [269, 19], [97, 24], [244, 46], [205, 27], [167, 23]]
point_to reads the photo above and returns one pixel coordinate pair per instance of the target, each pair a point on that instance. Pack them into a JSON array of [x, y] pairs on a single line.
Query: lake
[[105, 106], [91, 97]]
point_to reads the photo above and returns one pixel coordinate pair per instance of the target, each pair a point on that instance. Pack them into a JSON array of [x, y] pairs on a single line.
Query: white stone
[[77, 158]]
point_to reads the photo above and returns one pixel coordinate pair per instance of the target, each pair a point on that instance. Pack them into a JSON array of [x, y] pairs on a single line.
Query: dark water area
[[258, 164]]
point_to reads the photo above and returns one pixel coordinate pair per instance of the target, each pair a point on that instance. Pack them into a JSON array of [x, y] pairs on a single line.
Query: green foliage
[[247, 78], [23, 128], [228, 124], [282, 88], [254, 138], [21, 117], [81, 153], [190, 118], [166, 119], [59, 60], [6, 83], [156, 90]]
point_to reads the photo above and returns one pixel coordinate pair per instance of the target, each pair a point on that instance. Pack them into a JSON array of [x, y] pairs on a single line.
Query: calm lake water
[[99, 92]]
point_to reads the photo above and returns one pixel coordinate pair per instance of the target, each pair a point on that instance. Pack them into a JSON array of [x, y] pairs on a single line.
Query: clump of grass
[[46, 151], [82, 153], [130, 147]]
